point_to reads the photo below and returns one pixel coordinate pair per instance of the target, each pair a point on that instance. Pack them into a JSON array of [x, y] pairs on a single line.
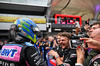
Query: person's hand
[[80, 55], [38, 47], [86, 27], [53, 53], [54, 42], [83, 46], [92, 43], [47, 48]]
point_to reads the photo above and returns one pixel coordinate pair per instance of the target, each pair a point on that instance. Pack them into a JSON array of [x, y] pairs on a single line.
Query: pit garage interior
[[42, 12]]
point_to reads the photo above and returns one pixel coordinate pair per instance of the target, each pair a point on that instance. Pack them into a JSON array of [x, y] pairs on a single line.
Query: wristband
[[56, 56], [78, 64]]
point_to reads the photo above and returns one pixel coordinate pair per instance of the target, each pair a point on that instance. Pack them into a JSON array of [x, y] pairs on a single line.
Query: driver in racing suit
[[19, 51]]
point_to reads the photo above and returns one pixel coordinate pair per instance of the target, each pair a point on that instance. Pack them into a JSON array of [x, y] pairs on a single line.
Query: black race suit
[[24, 54]]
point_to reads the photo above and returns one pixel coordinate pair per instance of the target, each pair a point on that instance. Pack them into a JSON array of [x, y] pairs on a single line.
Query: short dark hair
[[46, 38], [66, 34], [95, 23], [59, 34]]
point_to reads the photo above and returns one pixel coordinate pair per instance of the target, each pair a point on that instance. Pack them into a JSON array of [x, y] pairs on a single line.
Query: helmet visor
[[36, 29]]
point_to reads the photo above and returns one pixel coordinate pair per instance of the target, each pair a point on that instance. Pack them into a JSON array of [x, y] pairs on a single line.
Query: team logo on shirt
[[7, 52]]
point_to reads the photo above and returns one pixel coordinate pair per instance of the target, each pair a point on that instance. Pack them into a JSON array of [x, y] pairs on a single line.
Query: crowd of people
[[2, 42], [25, 48]]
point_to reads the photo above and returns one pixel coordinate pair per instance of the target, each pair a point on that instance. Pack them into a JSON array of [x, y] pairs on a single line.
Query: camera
[[74, 43]]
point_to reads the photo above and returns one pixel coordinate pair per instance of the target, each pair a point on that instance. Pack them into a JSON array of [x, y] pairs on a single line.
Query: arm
[[58, 59], [80, 56], [33, 58], [87, 27], [78, 64], [92, 43]]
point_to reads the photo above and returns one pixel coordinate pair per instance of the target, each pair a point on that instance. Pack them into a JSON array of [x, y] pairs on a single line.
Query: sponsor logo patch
[[7, 52]]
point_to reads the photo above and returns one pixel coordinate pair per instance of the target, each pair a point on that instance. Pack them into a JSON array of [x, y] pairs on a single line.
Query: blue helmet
[[27, 28]]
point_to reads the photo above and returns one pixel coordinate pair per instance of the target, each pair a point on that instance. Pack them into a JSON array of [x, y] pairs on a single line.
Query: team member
[[68, 55], [92, 44], [58, 48], [19, 51], [90, 52]]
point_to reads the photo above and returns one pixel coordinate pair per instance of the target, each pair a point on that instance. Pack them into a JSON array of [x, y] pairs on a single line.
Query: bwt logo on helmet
[[7, 52]]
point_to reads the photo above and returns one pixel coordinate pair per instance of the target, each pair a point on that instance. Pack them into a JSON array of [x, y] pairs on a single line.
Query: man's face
[[96, 37], [64, 41], [93, 28], [79, 29], [58, 39], [96, 34], [44, 40]]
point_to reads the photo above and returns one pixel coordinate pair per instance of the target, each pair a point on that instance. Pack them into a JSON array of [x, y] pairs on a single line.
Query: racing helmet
[[26, 28]]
